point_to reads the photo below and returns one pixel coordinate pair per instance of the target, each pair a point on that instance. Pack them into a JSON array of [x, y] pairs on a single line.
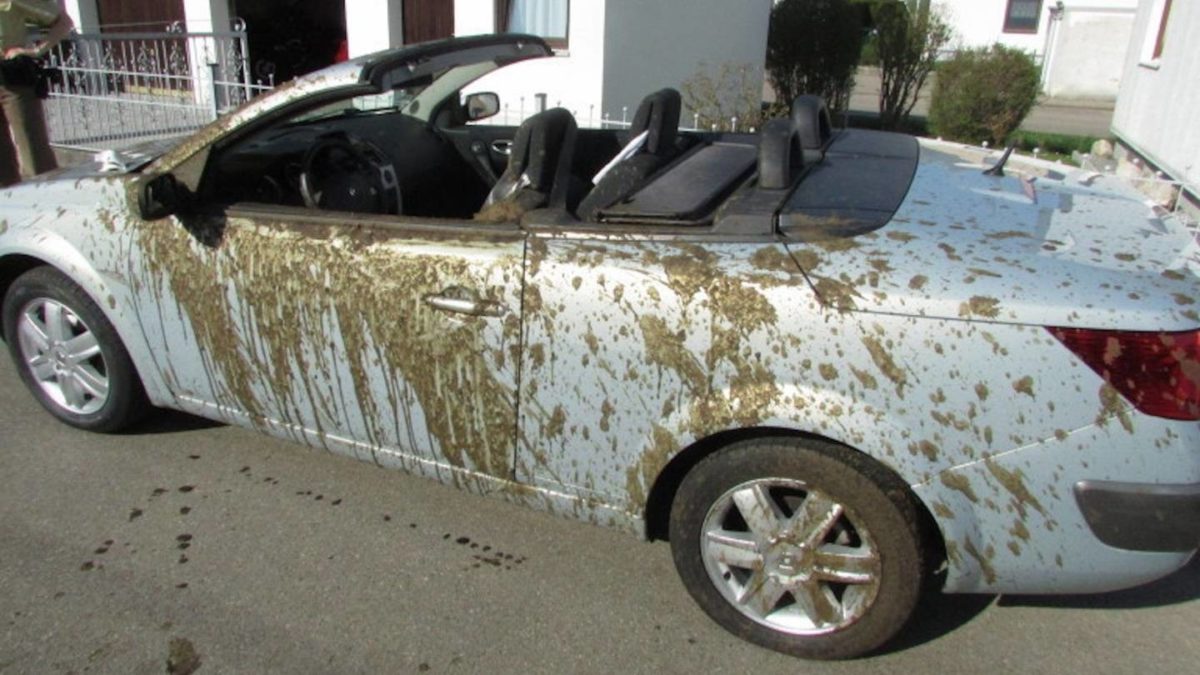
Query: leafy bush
[[715, 96], [983, 94], [813, 48], [907, 42], [870, 51], [1061, 144]]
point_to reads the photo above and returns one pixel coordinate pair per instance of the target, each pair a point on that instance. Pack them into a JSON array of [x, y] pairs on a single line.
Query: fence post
[[243, 55], [214, 70]]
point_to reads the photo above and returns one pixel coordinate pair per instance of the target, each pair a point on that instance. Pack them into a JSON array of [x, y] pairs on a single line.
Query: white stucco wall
[[84, 14], [373, 25], [653, 44], [573, 78], [980, 23], [205, 16], [621, 50], [1157, 104], [1085, 53]]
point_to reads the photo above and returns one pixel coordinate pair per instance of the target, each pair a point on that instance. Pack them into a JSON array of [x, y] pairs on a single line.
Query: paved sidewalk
[[1060, 116]]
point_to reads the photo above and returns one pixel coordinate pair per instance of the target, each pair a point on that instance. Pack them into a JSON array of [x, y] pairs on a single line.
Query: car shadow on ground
[[939, 615], [162, 421], [1182, 586]]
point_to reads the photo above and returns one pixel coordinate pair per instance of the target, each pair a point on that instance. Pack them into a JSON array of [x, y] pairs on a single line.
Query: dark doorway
[[426, 20], [138, 16], [291, 37]]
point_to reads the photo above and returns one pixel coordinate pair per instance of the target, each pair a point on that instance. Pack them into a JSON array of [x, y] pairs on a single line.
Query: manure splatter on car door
[[322, 332]]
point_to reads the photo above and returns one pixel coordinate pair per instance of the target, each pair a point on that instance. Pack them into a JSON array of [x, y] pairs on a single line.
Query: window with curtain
[[545, 18], [1163, 11], [1022, 16]]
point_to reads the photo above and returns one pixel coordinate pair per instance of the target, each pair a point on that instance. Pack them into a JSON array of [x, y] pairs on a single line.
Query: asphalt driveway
[[235, 553]]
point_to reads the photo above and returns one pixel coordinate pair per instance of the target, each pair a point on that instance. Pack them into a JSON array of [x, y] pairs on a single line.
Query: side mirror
[[160, 196], [481, 106]]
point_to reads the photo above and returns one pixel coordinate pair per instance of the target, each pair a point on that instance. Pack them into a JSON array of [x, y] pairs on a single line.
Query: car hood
[[103, 163], [1043, 244]]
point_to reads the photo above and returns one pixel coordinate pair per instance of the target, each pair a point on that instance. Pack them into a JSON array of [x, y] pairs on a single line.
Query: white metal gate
[[116, 89]]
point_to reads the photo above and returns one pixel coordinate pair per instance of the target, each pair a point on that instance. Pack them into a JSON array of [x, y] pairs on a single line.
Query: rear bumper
[[1140, 516]]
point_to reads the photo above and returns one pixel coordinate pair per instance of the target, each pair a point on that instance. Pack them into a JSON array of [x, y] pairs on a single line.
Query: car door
[[636, 347], [382, 337]]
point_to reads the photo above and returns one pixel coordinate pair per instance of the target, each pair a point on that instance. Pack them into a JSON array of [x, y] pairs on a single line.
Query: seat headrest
[[810, 116], [538, 145], [658, 113], [780, 156]]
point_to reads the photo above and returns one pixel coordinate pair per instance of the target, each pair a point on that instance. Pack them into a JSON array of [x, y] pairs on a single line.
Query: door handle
[[464, 306], [502, 147]]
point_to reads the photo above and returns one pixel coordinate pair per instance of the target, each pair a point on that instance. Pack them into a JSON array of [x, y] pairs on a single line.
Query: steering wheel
[[343, 173]]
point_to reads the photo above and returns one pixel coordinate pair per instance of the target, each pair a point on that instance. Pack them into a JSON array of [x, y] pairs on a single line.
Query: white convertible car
[[832, 367]]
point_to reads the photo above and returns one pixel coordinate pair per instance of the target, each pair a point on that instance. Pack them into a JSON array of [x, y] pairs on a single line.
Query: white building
[[1155, 117], [609, 53], [1080, 43], [617, 51]]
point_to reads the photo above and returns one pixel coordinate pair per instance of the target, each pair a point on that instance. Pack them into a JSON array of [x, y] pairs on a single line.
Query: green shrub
[[907, 41], [983, 94], [715, 96], [1061, 144], [870, 51], [813, 48]]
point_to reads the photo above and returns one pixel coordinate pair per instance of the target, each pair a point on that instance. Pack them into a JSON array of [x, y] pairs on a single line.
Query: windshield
[[417, 99]]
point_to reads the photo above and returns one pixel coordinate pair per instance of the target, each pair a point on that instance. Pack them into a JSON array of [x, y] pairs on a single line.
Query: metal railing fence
[[115, 89]]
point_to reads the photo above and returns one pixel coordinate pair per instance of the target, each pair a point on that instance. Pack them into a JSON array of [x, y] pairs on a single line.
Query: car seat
[[538, 168], [658, 117]]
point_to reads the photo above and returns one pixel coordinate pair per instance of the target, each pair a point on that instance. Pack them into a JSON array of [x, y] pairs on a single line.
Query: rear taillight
[[1159, 373]]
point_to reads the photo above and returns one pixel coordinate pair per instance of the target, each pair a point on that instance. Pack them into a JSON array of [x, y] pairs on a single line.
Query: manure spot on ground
[[182, 657]]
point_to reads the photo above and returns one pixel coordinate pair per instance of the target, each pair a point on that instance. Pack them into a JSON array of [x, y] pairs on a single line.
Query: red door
[[426, 20]]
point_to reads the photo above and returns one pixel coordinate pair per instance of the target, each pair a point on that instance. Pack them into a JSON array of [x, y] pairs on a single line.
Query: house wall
[[620, 50], [1082, 52], [1085, 53], [651, 44], [573, 78], [373, 25], [980, 23], [85, 14], [1156, 108]]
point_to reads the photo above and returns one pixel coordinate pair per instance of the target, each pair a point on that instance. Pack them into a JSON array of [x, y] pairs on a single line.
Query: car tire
[[69, 355], [802, 546]]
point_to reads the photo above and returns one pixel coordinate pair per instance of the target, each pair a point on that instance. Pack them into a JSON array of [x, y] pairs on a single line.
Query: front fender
[[89, 245]]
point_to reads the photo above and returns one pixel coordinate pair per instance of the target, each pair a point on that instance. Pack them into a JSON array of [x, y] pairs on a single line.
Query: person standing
[[25, 147]]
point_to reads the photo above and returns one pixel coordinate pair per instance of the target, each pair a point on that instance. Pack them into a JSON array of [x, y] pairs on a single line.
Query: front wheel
[[801, 546], [69, 355]]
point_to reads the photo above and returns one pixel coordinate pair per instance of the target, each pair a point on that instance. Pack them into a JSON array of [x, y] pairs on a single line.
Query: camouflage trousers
[[25, 145]]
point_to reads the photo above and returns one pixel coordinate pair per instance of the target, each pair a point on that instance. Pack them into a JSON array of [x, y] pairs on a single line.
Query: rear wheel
[[69, 355], [801, 546]]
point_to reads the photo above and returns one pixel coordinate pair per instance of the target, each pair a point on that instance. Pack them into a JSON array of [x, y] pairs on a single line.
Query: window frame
[[1154, 41], [1009, 26], [500, 21]]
